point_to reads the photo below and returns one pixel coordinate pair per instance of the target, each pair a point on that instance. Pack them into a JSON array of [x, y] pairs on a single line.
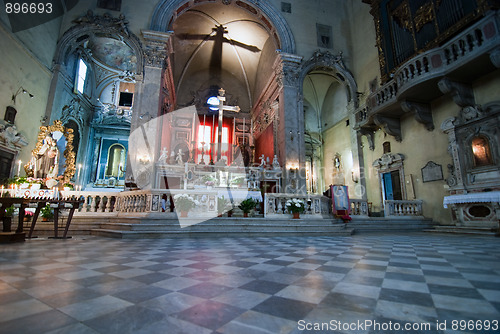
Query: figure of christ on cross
[[221, 97]]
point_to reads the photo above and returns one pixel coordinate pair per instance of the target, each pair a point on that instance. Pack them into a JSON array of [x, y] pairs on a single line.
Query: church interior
[[152, 119]]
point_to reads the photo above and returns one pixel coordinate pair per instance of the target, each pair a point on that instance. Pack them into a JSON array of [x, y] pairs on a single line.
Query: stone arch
[[106, 26], [333, 65], [167, 10]]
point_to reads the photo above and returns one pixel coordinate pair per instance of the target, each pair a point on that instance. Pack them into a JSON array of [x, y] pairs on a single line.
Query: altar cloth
[[483, 197]]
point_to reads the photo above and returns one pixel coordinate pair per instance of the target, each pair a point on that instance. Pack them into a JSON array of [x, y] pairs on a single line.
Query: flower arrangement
[[209, 183], [295, 205], [238, 181], [184, 202], [69, 185]]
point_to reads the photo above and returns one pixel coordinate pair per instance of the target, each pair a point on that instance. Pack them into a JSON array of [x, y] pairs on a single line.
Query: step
[[462, 230]]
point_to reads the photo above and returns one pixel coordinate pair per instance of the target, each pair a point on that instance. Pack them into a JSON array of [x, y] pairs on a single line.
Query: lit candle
[[2, 191], [19, 168], [234, 128]]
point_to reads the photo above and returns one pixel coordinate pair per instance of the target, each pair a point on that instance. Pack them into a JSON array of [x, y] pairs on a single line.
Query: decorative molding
[[391, 126], [370, 135], [11, 138], [462, 93], [155, 51], [388, 160], [495, 57], [421, 111], [333, 63], [288, 69], [89, 24]]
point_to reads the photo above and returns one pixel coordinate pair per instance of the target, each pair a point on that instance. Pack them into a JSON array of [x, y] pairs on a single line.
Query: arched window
[[481, 151], [116, 161]]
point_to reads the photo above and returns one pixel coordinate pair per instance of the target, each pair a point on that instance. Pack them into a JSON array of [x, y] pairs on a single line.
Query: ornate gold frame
[[69, 154]]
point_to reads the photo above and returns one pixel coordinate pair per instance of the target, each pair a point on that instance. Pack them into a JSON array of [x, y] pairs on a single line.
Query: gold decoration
[[424, 15], [69, 154]]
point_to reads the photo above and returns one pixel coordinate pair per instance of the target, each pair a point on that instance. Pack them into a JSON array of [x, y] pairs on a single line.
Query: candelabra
[[202, 161], [193, 151], [211, 153]]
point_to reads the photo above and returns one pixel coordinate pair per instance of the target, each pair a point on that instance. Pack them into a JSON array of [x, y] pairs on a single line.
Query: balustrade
[[315, 205], [403, 208]]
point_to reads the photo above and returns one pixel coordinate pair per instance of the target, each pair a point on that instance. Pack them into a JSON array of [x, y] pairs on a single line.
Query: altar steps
[[381, 224], [462, 230], [218, 227]]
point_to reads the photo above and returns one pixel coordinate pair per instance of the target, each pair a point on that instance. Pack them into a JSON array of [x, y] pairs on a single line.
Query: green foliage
[[47, 212], [248, 204], [9, 212]]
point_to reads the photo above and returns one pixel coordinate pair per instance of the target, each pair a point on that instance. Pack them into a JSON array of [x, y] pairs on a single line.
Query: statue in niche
[[178, 158]]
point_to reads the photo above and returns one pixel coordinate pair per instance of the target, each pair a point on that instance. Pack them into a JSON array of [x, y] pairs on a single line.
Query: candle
[[203, 136], [19, 168], [244, 119], [213, 126], [2, 191], [234, 128], [78, 176]]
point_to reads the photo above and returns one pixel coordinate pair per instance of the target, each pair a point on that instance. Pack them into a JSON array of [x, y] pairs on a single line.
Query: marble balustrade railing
[[315, 205], [394, 208]]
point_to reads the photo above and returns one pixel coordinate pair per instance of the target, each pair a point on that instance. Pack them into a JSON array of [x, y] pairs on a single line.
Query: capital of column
[[155, 50], [287, 69]]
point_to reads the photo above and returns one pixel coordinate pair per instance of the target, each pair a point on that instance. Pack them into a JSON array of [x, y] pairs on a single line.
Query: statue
[[276, 163], [178, 158], [262, 161], [46, 160], [164, 156]]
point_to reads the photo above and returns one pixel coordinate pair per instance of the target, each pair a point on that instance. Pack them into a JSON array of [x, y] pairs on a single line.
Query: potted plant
[[47, 213], [238, 181], [247, 205], [209, 181], [224, 205], [295, 206], [28, 215], [68, 186], [183, 203], [7, 218]]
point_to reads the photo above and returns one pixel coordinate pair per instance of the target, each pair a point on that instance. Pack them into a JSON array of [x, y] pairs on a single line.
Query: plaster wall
[[337, 140], [20, 68]]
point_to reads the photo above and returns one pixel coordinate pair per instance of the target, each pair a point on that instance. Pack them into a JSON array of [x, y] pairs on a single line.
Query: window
[[481, 151], [126, 99], [110, 4], [324, 34], [10, 115], [81, 76]]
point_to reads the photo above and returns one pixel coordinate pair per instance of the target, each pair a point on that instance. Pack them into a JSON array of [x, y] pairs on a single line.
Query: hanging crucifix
[[221, 108]]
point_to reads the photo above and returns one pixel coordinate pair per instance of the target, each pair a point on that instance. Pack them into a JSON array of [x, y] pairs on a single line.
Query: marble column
[[144, 143], [290, 140]]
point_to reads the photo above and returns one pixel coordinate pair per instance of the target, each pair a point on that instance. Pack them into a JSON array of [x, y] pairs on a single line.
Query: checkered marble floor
[[249, 285]]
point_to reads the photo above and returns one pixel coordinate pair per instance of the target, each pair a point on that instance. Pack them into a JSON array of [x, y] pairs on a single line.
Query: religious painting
[[340, 199], [53, 158]]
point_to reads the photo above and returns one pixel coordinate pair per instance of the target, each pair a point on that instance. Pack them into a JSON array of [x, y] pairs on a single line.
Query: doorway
[[391, 185]]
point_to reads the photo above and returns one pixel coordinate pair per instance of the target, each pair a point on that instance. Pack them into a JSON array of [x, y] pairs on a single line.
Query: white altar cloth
[[239, 194], [484, 197]]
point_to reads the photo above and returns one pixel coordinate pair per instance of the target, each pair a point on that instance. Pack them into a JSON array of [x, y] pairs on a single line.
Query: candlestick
[[19, 168], [244, 126]]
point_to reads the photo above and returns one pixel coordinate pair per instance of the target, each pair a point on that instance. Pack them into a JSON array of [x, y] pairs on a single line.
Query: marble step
[[462, 230]]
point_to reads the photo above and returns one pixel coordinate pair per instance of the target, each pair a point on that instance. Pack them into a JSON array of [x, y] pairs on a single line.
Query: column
[[145, 135], [290, 134]]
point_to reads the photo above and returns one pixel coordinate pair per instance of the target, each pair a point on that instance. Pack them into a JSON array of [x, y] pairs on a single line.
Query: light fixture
[[213, 103], [21, 90]]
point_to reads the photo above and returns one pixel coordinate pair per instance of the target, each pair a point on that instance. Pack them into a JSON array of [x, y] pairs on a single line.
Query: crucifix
[[222, 107]]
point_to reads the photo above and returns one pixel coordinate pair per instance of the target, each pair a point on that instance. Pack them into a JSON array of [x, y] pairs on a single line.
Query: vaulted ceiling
[[219, 45]]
